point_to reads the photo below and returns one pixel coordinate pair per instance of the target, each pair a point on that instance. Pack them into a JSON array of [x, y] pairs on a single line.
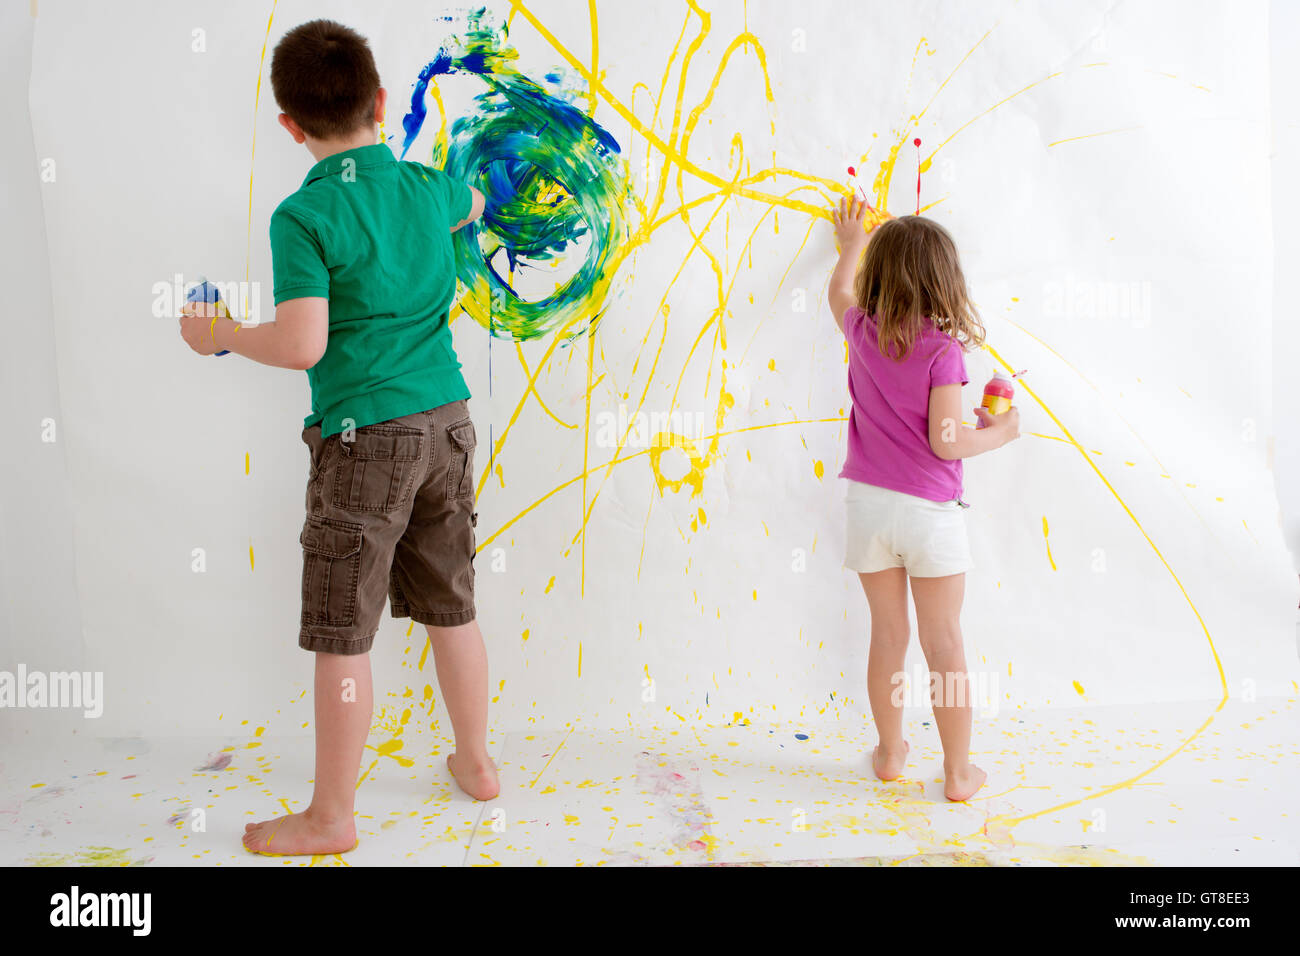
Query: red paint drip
[[854, 173], [917, 143]]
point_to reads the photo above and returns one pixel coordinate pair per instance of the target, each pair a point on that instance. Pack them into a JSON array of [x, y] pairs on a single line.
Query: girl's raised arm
[[851, 237]]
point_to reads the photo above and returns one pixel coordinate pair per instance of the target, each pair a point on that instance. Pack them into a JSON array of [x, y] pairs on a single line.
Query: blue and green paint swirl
[[551, 176]]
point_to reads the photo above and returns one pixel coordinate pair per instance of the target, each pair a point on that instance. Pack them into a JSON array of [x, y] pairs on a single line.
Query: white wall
[[155, 438], [40, 613], [1284, 40]]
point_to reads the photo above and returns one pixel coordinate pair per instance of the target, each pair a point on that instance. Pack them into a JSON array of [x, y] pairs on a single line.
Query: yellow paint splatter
[[89, 856], [252, 158], [1107, 132], [1048, 543], [698, 461]]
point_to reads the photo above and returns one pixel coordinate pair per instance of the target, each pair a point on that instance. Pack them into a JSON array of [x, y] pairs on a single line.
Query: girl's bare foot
[[478, 779], [300, 834], [888, 764], [962, 785]]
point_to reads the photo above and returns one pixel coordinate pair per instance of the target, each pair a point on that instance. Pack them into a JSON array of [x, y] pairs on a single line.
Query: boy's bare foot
[[963, 784], [888, 764], [479, 780], [300, 834]]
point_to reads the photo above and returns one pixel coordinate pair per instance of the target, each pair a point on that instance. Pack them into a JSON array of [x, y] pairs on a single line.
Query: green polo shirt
[[372, 235]]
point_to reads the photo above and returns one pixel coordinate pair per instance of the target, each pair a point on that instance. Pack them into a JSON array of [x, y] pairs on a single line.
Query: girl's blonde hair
[[911, 273]]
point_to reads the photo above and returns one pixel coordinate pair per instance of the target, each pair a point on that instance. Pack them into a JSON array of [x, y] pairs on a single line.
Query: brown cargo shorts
[[390, 513]]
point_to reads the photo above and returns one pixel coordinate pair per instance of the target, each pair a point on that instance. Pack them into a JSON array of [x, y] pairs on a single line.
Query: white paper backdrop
[[1105, 172]]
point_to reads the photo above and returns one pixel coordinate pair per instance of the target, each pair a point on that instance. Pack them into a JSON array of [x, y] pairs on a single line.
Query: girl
[[908, 320]]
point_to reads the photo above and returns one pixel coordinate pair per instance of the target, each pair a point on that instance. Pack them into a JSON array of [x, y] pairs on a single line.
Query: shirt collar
[[363, 156]]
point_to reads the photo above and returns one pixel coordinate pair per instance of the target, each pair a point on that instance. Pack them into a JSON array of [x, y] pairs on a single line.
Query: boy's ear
[[381, 100], [294, 129]]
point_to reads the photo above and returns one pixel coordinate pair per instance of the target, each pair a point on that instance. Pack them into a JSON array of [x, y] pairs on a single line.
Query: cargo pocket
[[331, 566], [377, 468], [460, 473]]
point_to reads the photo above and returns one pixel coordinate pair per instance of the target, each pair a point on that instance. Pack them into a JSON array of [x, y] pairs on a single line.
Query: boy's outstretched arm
[[477, 203], [296, 339], [851, 236]]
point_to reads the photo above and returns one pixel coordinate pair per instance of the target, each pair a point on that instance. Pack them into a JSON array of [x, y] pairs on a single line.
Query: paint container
[[205, 292], [998, 394]]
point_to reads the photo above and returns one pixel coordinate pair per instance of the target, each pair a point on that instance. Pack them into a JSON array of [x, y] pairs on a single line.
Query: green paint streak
[[550, 176]]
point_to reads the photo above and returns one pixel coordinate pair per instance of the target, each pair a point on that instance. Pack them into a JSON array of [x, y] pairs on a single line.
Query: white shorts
[[890, 529]]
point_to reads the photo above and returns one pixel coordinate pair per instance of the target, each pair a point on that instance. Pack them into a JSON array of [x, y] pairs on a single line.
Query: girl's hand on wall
[[850, 224]]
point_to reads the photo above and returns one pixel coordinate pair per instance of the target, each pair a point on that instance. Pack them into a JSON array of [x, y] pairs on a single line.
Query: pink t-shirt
[[889, 432]]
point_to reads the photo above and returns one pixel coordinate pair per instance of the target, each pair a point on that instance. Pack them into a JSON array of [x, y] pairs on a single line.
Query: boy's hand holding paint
[[199, 321], [296, 339]]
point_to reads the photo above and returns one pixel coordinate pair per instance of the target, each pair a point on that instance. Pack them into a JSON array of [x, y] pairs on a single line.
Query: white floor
[[1081, 787]]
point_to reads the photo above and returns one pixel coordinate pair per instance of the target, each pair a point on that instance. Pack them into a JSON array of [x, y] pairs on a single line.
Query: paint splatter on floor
[[215, 761], [707, 795], [89, 856], [675, 784]]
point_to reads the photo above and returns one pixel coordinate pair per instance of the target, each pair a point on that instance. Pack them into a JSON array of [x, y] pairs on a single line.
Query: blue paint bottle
[[204, 291]]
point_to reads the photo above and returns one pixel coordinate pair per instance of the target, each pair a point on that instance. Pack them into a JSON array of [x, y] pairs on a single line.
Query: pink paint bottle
[[998, 394]]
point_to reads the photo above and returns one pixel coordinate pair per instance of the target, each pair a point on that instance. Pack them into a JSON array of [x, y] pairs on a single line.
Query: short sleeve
[[452, 195], [297, 259], [949, 365], [853, 317]]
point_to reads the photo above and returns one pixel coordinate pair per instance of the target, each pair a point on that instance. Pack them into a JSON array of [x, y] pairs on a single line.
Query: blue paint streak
[[413, 120], [441, 65]]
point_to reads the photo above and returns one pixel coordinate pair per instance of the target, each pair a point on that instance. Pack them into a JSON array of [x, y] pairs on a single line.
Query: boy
[[364, 276]]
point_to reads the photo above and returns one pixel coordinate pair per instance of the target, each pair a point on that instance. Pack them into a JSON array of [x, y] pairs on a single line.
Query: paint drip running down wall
[[552, 179]]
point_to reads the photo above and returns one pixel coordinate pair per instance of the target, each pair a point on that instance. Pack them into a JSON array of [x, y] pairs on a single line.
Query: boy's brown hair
[[323, 76], [911, 273]]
